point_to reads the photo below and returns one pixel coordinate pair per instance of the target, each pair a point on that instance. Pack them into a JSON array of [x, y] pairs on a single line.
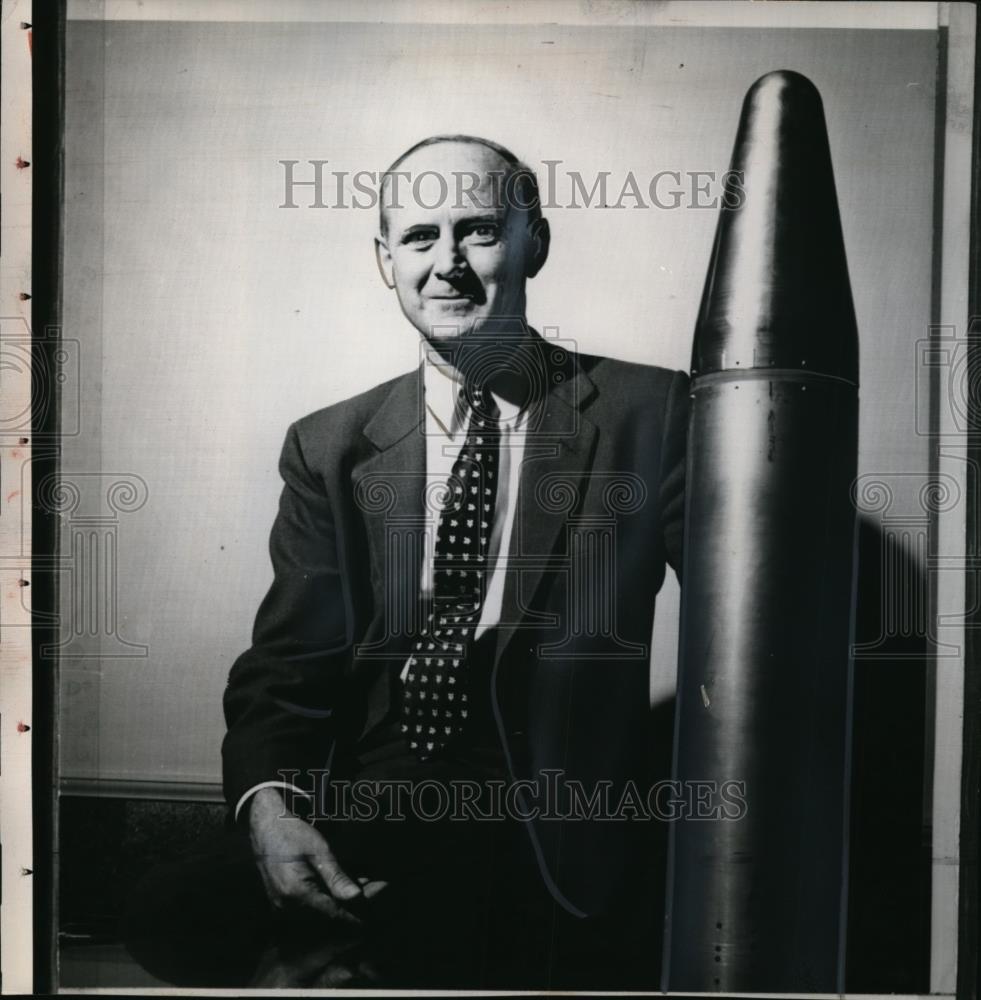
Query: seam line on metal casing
[[769, 375]]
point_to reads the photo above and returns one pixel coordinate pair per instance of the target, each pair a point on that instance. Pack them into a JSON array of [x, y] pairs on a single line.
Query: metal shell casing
[[756, 900]]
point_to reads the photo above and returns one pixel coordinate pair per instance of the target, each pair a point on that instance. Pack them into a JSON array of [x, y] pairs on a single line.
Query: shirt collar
[[442, 387]]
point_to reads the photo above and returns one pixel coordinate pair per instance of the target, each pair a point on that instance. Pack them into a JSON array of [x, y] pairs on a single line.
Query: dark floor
[[101, 965], [107, 845]]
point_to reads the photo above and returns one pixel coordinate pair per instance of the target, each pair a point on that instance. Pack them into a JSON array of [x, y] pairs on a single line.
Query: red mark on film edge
[[23, 727]]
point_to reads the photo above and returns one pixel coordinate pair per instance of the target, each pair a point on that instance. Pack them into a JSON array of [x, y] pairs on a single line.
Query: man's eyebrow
[[481, 220]]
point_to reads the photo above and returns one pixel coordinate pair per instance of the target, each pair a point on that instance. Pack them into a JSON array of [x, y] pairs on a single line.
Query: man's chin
[[469, 328], [449, 326]]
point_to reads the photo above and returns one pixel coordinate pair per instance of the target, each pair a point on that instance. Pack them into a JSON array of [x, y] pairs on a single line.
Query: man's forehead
[[447, 179]]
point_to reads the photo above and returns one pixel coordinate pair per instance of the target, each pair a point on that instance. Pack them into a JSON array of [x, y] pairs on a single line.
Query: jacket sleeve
[[281, 692], [673, 467]]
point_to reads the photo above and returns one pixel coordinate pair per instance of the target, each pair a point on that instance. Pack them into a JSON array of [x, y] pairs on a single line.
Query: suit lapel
[[389, 488], [558, 455]]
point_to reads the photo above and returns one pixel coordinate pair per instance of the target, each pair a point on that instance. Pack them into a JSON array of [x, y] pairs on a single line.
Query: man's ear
[[539, 238], [384, 258]]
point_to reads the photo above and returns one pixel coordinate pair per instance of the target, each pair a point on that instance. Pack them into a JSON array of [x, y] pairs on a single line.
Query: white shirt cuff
[[267, 784]]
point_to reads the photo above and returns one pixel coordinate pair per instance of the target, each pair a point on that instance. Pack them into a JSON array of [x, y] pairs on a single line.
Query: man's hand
[[297, 866]]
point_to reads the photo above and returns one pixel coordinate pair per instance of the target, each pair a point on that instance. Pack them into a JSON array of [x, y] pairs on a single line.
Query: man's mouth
[[469, 291]]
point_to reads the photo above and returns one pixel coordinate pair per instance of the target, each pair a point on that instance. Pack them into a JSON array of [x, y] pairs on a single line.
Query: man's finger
[[371, 887], [339, 885], [316, 899]]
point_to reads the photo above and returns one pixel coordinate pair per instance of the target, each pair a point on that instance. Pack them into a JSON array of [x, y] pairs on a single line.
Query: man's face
[[464, 261]]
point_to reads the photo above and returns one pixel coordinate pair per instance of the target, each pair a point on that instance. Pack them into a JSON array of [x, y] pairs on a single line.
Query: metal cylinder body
[[756, 897]]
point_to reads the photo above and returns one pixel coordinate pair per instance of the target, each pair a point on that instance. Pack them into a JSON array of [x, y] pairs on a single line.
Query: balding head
[[513, 183]]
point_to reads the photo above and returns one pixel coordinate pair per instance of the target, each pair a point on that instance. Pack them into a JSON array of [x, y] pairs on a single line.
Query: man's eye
[[419, 236], [485, 232]]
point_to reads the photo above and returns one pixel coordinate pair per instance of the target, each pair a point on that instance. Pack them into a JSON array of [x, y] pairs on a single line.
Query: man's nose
[[450, 260]]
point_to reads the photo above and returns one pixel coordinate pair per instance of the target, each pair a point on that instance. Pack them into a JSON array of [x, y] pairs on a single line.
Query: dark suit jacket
[[599, 514]]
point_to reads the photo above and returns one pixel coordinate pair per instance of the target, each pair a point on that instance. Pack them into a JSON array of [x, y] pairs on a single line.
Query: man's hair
[[518, 177]]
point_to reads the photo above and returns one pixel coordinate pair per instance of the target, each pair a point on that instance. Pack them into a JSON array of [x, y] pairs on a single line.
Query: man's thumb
[[338, 884]]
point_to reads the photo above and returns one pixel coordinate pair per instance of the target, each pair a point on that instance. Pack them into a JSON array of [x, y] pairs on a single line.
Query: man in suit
[[466, 562]]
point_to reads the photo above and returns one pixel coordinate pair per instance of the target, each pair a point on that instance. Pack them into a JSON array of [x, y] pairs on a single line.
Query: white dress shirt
[[445, 428]]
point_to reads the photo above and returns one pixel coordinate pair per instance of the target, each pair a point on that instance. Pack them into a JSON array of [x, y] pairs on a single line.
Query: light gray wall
[[209, 318]]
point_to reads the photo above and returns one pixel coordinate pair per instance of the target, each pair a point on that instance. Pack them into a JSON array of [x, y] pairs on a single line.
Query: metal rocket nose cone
[[777, 293]]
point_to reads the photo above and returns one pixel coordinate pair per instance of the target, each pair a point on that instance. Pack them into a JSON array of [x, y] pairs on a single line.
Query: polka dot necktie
[[436, 690]]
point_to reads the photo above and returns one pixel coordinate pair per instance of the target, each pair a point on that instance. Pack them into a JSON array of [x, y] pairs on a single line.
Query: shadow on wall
[[889, 874]]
